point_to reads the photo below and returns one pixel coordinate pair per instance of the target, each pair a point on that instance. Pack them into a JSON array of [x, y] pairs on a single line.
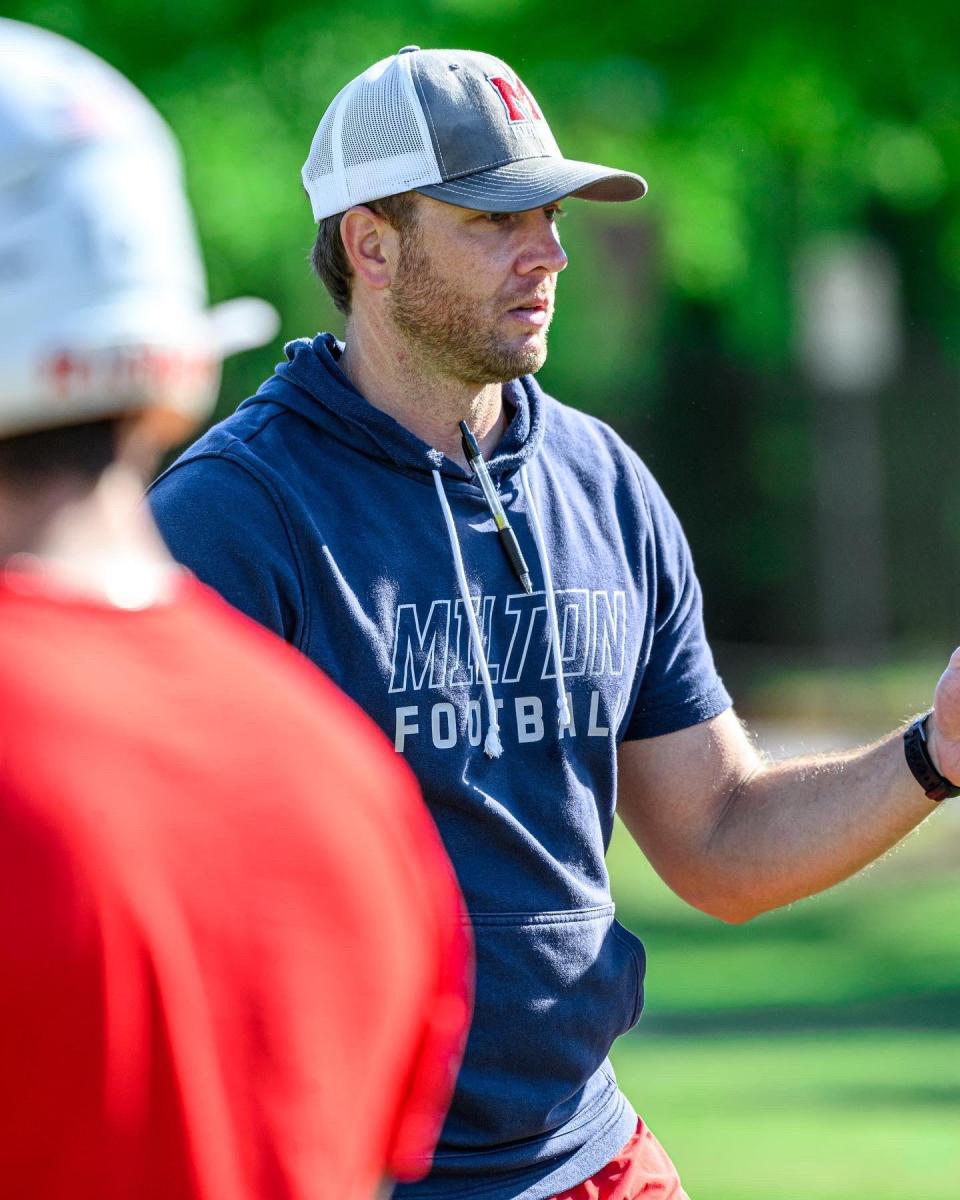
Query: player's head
[[102, 294], [454, 126]]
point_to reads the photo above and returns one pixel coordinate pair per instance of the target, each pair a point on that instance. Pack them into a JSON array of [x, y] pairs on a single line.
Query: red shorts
[[641, 1169]]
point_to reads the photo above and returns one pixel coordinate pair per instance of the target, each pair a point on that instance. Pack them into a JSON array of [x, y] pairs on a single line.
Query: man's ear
[[372, 246]]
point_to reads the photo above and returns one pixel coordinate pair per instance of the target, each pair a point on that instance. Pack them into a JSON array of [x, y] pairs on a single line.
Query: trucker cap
[[456, 125], [103, 303]]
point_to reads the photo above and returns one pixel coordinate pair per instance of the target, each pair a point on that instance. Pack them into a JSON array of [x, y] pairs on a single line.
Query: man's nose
[[544, 251]]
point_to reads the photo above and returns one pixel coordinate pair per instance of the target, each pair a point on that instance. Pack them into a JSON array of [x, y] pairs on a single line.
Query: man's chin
[[533, 361], [496, 362], [527, 357]]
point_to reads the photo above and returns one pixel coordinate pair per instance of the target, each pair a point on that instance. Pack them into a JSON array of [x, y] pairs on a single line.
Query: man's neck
[[97, 542], [391, 376]]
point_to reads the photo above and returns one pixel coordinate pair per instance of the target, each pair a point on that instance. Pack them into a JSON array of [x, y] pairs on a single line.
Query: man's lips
[[535, 311]]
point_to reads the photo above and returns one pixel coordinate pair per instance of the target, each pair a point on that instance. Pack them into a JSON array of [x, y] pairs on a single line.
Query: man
[[533, 687], [232, 957]]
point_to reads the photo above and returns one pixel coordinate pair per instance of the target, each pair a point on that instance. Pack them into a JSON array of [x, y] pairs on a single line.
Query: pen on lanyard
[[508, 538]]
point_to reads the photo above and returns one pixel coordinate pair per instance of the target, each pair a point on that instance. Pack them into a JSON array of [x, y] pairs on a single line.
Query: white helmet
[[103, 305]]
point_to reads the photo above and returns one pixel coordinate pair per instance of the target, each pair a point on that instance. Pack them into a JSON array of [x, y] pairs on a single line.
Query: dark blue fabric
[[317, 514]]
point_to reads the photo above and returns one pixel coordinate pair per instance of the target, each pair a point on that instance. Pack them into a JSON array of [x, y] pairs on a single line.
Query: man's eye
[[554, 212], [499, 218]]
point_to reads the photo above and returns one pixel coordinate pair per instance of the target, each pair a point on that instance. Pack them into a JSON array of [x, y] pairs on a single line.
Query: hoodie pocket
[[553, 990]]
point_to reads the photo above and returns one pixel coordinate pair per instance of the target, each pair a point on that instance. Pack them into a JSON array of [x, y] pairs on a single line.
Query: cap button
[[407, 49]]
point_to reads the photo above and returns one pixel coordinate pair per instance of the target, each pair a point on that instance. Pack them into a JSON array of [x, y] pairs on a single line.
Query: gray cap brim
[[534, 182]]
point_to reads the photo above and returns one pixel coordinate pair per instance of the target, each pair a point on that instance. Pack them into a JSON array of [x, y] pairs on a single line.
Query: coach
[[536, 680]]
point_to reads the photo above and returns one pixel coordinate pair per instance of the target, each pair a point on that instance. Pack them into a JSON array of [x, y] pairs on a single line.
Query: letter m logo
[[516, 99], [420, 651]]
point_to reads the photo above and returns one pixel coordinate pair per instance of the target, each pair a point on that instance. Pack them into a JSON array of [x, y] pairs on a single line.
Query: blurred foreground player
[[231, 956]]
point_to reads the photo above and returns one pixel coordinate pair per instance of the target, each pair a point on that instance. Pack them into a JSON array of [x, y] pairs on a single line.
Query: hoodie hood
[[322, 394]]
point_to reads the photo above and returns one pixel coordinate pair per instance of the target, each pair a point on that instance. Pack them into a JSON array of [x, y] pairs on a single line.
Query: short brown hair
[[329, 257], [85, 449]]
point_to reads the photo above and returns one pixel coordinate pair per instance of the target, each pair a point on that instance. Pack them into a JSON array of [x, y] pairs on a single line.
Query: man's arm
[[736, 836], [220, 520]]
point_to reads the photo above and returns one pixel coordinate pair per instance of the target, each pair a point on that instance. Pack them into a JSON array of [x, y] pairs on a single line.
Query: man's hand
[[943, 727]]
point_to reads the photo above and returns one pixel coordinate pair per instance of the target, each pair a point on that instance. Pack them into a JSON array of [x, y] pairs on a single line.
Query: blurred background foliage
[[761, 128], [823, 506]]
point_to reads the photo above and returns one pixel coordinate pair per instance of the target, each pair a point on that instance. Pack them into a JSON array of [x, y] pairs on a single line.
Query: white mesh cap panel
[[373, 142], [319, 162]]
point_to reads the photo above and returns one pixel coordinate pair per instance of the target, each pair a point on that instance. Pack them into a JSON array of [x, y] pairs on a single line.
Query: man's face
[[474, 292]]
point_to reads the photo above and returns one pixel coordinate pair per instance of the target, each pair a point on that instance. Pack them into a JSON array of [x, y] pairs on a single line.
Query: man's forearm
[[792, 829]]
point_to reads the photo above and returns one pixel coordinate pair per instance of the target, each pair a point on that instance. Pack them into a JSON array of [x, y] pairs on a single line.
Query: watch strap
[[935, 786]]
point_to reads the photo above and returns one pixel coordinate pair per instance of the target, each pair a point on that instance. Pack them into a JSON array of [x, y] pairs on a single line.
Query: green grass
[[880, 695], [814, 1053], [838, 1116]]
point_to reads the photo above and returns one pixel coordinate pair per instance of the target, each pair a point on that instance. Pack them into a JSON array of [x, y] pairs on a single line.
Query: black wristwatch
[[936, 786]]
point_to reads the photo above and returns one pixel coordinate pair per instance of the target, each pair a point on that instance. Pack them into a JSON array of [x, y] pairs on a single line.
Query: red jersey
[[232, 956]]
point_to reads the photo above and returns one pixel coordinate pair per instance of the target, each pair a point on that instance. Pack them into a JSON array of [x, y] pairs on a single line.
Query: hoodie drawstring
[[562, 706], [492, 745]]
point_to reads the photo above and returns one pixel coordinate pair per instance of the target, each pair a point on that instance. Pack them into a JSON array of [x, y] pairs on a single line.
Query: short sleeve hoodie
[[375, 555]]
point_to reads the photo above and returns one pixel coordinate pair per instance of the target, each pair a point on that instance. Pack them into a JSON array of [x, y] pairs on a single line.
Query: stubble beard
[[448, 330]]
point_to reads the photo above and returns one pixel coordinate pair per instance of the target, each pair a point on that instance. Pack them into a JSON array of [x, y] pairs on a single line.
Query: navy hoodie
[[320, 516]]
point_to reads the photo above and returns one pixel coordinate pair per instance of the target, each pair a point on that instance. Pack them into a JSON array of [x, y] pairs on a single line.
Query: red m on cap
[[516, 99]]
